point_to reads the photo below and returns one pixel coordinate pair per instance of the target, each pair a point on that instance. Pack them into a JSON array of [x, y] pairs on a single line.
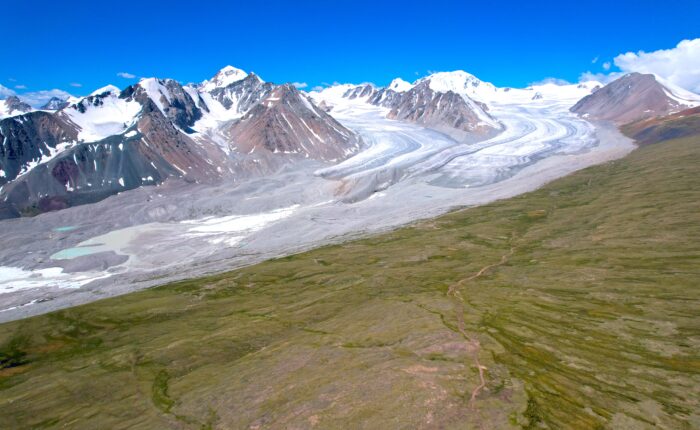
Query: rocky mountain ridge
[[113, 141]]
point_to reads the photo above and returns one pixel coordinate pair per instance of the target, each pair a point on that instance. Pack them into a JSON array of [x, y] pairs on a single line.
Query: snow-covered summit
[[399, 85], [106, 89], [460, 82], [223, 78]]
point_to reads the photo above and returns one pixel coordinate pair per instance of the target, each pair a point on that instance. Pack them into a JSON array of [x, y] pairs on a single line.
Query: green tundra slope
[[578, 305]]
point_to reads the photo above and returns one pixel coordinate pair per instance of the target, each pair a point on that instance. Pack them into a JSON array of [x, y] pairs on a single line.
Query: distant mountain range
[[235, 125]]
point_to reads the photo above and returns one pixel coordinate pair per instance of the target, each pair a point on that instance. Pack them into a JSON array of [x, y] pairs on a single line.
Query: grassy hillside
[[578, 304]]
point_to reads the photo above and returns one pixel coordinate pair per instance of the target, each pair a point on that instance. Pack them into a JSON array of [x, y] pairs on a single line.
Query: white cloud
[[606, 65], [595, 60], [6, 92], [300, 85], [21, 87], [555, 81], [126, 75], [317, 88], [76, 84], [39, 98], [603, 78], [679, 65]]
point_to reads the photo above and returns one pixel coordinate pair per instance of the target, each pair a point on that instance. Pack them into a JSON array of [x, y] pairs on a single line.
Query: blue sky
[[53, 44]]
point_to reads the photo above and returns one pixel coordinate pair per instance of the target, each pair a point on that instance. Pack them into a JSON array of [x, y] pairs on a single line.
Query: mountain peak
[[15, 104], [399, 85], [106, 89], [55, 103], [223, 78], [457, 81]]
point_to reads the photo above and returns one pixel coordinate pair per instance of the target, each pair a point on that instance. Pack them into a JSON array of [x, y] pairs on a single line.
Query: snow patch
[[107, 119], [156, 91], [14, 278], [400, 86], [230, 230]]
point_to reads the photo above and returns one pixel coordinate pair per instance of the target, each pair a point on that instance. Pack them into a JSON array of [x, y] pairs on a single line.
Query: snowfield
[[405, 172]]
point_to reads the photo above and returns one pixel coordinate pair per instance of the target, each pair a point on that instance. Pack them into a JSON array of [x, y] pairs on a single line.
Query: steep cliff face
[[27, 139]]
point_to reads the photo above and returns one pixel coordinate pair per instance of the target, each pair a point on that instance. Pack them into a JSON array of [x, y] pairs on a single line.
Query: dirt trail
[[473, 344]]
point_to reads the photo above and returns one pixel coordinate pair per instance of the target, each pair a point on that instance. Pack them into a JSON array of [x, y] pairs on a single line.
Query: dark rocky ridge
[[29, 138], [148, 154]]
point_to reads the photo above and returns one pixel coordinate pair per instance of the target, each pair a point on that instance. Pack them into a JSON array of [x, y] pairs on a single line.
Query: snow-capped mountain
[[454, 114], [465, 83], [237, 125], [223, 78], [399, 85], [112, 140], [456, 103], [436, 106], [635, 96], [459, 82]]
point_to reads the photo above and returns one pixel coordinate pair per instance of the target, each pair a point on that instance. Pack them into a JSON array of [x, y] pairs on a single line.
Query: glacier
[[404, 172]]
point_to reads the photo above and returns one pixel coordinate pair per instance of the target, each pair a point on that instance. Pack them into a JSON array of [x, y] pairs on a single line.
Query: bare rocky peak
[[632, 97], [15, 105], [287, 122]]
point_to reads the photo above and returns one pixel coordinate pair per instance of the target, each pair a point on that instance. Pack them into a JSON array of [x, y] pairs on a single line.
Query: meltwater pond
[[78, 251]]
